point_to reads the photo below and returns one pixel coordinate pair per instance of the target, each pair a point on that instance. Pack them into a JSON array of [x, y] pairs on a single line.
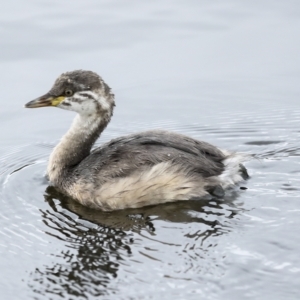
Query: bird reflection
[[99, 243], [136, 219]]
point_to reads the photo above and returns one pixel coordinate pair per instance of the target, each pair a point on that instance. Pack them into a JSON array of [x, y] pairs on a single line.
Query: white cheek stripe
[[103, 102], [79, 97], [105, 105]]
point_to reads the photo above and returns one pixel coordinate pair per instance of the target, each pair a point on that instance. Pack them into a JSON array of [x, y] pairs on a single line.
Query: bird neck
[[75, 145]]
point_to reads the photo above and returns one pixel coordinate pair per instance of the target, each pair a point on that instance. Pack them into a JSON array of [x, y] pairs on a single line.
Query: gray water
[[226, 72]]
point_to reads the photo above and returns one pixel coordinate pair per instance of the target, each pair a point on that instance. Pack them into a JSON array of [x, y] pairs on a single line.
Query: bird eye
[[68, 92]]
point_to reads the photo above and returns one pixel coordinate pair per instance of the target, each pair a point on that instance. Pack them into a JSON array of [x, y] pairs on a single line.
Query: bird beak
[[46, 100]]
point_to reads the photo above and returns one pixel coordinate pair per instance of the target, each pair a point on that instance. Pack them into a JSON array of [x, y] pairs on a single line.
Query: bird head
[[81, 91]]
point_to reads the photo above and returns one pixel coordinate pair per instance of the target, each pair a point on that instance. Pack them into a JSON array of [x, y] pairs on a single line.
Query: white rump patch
[[232, 173]]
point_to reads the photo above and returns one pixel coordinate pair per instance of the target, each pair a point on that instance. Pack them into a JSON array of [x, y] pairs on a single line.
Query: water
[[227, 73]]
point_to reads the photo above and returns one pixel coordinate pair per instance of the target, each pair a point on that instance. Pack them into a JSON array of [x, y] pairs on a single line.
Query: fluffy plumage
[[140, 169]]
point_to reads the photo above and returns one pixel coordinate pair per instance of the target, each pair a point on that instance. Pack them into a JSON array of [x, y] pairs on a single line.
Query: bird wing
[[127, 154]]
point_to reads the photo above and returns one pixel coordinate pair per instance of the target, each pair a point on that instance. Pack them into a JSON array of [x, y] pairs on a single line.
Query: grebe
[[141, 169]]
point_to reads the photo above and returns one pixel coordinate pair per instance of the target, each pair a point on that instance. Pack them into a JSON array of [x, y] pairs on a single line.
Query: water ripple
[[75, 251]]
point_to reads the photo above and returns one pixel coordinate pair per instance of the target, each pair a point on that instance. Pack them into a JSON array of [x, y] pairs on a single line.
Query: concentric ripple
[[185, 249]]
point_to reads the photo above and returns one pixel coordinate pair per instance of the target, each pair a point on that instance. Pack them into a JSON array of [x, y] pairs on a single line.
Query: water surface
[[227, 73]]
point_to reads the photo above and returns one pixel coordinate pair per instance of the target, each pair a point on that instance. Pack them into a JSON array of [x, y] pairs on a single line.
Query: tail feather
[[234, 171]]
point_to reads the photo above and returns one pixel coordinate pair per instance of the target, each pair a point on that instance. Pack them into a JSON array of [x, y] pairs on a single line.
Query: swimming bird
[[136, 170]]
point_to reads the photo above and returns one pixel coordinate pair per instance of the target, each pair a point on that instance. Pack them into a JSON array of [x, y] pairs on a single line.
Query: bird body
[[141, 169]]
